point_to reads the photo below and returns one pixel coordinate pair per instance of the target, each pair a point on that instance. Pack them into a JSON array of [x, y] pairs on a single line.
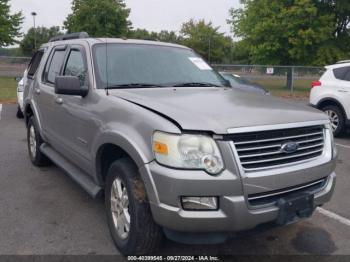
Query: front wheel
[[128, 212], [337, 119]]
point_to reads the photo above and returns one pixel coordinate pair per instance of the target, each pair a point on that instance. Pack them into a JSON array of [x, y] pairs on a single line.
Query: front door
[[74, 122]]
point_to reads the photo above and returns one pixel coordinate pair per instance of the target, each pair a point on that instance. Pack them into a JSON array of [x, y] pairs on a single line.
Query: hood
[[218, 109]]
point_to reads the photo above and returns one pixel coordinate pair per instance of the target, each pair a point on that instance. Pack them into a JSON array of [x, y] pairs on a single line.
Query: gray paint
[[79, 127]]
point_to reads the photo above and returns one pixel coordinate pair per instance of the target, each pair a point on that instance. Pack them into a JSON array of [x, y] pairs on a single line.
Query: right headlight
[[187, 152]]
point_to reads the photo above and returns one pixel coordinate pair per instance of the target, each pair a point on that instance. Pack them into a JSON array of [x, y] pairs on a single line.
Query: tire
[[143, 236], [19, 113], [337, 119], [34, 141]]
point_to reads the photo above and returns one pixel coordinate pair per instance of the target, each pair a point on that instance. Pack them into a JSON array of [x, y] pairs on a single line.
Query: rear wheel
[[128, 212], [336, 117], [34, 142]]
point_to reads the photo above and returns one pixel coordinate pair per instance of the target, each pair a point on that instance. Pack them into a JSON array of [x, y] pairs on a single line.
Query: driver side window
[[75, 66]]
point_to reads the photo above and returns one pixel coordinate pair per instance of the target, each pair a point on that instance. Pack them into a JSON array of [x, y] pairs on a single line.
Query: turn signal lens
[[160, 148]]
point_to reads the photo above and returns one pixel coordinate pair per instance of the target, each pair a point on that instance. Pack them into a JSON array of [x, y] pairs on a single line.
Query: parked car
[[175, 151], [244, 84], [21, 81], [331, 94]]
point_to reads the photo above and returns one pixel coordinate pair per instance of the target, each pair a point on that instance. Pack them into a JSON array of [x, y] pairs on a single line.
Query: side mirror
[[70, 85], [18, 78]]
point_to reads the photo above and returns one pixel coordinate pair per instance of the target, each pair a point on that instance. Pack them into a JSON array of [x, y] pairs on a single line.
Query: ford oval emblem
[[289, 147]]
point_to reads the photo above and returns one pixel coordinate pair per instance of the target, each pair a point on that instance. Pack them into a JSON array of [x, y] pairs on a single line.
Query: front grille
[[262, 150], [273, 196]]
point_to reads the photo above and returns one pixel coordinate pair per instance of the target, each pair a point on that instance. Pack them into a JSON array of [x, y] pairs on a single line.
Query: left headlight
[[187, 152], [20, 87], [334, 147]]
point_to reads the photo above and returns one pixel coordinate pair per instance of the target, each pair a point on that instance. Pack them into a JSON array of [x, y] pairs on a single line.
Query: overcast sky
[[152, 15]]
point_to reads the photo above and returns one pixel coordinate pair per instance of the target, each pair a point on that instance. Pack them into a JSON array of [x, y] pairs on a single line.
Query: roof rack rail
[[69, 36], [343, 62]]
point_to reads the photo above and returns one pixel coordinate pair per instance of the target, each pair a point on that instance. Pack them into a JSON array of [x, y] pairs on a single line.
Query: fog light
[[199, 203]]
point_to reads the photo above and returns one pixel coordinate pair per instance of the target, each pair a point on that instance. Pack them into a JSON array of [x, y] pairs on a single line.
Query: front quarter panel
[[128, 126]]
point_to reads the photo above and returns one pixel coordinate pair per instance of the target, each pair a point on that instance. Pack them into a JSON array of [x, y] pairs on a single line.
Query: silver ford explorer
[[176, 151]]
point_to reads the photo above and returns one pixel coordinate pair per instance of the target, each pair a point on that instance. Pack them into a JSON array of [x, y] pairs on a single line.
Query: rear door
[[342, 75], [31, 71]]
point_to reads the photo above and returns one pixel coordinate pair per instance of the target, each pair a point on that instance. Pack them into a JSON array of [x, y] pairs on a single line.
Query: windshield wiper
[[194, 84], [133, 85]]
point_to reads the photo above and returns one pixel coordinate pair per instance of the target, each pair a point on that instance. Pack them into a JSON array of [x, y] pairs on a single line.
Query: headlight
[[334, 148], [187, 152]]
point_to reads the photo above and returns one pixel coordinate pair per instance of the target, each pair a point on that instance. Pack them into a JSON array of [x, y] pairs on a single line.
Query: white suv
[[331, 94]]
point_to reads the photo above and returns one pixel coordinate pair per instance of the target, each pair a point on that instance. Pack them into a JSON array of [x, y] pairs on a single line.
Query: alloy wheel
[[120, 208], [334, 118], [32, 141]]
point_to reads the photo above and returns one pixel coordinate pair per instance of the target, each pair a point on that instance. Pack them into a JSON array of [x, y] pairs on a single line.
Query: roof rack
[[69, 36], [343, 62]]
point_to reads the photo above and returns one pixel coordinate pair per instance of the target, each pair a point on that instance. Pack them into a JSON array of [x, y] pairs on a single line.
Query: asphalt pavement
[[42, 211]]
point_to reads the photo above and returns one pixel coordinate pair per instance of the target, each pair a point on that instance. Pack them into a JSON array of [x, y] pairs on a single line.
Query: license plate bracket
[[295, 207]]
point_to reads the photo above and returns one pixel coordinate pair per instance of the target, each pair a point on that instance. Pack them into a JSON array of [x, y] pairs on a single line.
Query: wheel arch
[[331, 101], [112, 148]]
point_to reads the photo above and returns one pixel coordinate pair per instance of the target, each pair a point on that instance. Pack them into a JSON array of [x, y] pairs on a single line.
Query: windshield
[[141, 65]]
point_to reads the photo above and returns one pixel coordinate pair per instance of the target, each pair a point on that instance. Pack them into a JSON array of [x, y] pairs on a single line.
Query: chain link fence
[[279, 80], [13, 66]]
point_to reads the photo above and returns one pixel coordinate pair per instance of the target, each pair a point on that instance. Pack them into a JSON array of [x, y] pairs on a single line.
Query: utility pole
[[34, 14]]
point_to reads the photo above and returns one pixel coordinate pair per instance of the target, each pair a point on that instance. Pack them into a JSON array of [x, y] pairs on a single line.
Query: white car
[[20, 91], [331, 94]]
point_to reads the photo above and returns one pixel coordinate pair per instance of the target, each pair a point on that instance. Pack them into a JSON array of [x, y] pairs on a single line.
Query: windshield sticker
[[200, 63]]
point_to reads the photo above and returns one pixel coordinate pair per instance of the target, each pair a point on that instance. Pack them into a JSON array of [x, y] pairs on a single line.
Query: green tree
[[143, 34], [163, 36], [338, 47], [169, 37], [205, 39], [42, 35], [286, 32], [99, 18], [9, 24]]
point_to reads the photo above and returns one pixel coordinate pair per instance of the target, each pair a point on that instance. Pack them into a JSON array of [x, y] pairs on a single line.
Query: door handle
[[37, 91], [342, 91], [59, 100]]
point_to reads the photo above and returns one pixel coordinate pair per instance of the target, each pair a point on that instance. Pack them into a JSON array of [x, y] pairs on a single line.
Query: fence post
[[290, 78], [292, 81]]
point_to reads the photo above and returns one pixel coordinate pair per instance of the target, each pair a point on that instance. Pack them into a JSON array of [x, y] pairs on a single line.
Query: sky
[[153, 15]]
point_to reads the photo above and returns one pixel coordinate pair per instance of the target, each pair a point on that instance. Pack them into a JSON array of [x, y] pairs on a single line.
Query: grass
[[8, 90], [277, 87]]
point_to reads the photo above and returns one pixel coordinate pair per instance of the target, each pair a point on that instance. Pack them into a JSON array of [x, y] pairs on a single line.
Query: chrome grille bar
[[263, 149]]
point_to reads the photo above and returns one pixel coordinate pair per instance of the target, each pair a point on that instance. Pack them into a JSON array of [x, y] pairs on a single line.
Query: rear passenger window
[[75, 66], [55, 66], [34, 63], [342, 73], [347, 75]]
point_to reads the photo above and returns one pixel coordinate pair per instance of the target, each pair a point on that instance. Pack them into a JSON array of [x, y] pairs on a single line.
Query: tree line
[[278, 32]]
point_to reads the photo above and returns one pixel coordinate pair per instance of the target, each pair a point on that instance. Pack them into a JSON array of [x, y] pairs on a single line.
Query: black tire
[[341, 119], [37, 158], [144, 236], [19, 113]]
